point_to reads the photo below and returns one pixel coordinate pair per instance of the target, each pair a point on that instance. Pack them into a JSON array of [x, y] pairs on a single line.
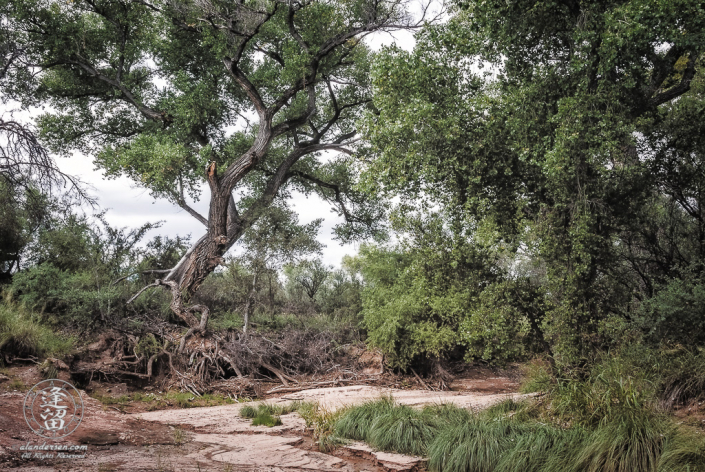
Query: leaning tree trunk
[[224, 229]]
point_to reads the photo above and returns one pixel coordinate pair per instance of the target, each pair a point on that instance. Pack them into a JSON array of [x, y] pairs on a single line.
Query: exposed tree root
[[193, 363]]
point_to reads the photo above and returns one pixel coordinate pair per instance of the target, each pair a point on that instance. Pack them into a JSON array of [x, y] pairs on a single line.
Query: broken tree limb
[[282, 376], [419, 379]]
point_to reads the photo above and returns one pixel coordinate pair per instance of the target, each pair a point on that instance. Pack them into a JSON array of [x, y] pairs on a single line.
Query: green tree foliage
[[563, 133], [242, 97], [439, 293], [340, 296]]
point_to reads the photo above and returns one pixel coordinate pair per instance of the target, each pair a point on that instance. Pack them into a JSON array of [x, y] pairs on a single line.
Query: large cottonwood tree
[[242, 95]]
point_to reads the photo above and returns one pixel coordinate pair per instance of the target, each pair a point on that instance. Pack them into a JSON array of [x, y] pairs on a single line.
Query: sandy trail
[[230, 439]]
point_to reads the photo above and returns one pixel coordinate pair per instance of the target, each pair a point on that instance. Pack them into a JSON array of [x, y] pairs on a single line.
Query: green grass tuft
[[264, 418], [683, 451], [444, 415], [356, 422], [531, 450], [474, 446], [566, 447], [624, 446], [248, 411], [537, 377], [276, 409], [403, 430]]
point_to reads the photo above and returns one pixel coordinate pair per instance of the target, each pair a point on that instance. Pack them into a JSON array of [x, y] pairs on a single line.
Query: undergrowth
[[23, 334]]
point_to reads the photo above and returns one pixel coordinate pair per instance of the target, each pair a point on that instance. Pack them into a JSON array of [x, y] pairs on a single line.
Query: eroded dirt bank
[[217, 439]]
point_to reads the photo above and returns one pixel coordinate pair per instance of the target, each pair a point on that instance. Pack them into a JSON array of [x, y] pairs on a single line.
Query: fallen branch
[[282, 376], [150, 271], [284, 389]]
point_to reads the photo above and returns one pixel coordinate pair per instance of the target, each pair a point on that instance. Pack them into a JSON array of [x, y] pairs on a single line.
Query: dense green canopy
[[565, 138]]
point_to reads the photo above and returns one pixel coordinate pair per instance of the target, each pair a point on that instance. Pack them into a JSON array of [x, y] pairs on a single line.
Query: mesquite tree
[[242, 95]]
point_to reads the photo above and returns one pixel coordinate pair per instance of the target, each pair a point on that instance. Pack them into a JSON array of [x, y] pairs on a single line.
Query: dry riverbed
[[218, 439]]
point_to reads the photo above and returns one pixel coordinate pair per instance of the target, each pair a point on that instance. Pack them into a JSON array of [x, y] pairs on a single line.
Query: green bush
[[439, 298], [676, 313]]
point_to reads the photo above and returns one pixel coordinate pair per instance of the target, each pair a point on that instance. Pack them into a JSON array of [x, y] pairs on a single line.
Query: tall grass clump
[[531, 450], [683, 380], [445, 414], [507, 437], [537, 377], [629, 444], [683, 451], [565, 448], [522, 410], [403, 429], [613, 392], [356, 423], [324, 429], [23, 334], [634, 377], [248, 411], [322, 421], [476, 446]]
